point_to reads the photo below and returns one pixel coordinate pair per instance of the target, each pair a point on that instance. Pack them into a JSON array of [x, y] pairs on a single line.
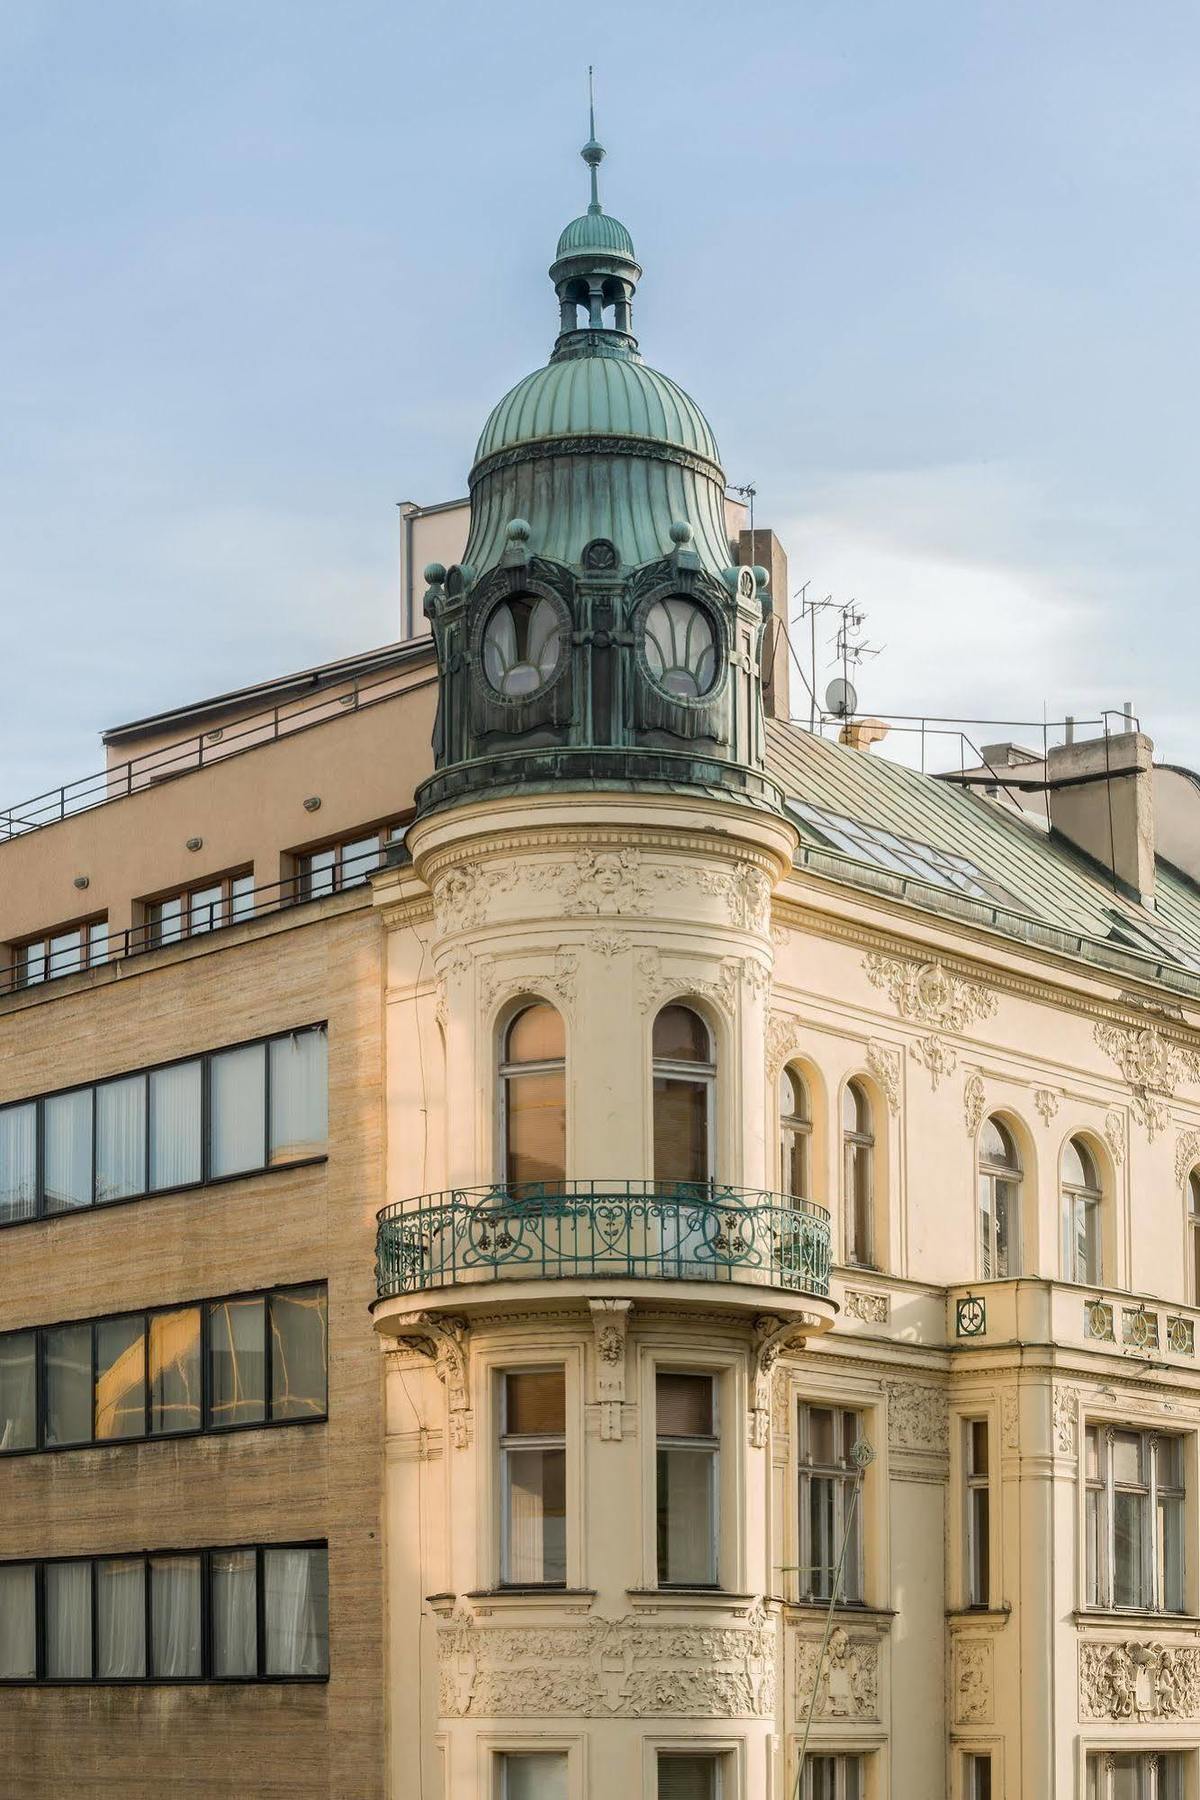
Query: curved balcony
[[571, 1231]]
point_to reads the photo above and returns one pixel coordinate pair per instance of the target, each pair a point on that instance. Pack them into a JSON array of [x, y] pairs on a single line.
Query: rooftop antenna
[[850, 648]]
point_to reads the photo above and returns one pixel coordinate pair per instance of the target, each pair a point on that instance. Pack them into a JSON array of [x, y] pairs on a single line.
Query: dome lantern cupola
[[598, 631]]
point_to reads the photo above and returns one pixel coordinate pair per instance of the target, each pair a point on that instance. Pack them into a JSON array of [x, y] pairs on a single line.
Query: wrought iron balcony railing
[[680, 1231]]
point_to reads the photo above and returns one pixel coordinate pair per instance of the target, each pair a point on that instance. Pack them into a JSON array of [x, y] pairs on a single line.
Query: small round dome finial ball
[[435, 574], [761, 576], [681, 532], [518, 531]]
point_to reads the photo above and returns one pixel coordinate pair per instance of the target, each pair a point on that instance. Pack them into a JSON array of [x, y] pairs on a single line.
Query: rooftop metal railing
[[199, 752], [556, 1231]]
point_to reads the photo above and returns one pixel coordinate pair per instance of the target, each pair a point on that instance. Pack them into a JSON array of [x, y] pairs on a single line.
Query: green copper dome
[[595, 232], [610, 396]]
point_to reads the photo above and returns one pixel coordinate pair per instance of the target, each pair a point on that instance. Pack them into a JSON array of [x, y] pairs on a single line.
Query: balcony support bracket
[[772, 1336], [446, 1342]]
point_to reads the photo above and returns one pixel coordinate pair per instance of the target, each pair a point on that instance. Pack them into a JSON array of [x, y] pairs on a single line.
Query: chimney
[[860, 734], [763, 547], [1101, 794]]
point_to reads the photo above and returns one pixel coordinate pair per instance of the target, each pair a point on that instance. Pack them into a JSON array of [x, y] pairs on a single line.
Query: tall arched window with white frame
[[999, 1203], [795, 1136], [858, 1176], [1082, 1199], [533, 1086], [1193, 1202], [685, 1072]]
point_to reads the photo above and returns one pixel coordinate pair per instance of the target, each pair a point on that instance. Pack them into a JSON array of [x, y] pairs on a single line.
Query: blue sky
[[930, 269]]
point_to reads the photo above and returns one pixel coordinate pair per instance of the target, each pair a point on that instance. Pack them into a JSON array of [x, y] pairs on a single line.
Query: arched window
[[795, 1135], [858, 1164], [999, 1203], [1081, 1200], [533, 1078], [1194, 1232], [684, 1072]]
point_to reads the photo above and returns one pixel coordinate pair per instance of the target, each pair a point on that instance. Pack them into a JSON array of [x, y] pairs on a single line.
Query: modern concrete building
[[525, 1176]]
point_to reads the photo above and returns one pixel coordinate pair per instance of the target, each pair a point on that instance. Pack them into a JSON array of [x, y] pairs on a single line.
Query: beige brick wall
[[277, 1484]]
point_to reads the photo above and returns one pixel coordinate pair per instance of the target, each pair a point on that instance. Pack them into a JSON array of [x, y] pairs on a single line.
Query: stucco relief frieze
[[972, 1681], [445, 1341], [872, 1309], [929, 993], [746, 892], [1187, 1155], [1114, 1135], [1066, 1419], [1153, 1065], [783, 1042], [608, 943], [849, 1681], [495, 987], [884, 1063], [1138, 1681], [608, 1668], [655, 985], [615, 880], [918, 1417], [938, 1057], [610, 1323], [756, 979], [1046, 1101], [973, 1103], [462, 895], [1010, 1419]]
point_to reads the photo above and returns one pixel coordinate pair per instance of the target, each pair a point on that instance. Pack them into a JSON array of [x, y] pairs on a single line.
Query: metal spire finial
[[592, 152]]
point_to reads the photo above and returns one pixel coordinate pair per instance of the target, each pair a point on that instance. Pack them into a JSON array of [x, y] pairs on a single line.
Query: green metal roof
[[598, 396], [1045, 893], [595, 232]]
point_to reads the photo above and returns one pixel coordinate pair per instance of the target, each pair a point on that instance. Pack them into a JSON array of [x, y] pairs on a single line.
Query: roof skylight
[[899, 855]]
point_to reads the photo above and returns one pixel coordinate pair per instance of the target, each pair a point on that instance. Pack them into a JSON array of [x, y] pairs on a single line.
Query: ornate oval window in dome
[[681, 648], [522, 642]]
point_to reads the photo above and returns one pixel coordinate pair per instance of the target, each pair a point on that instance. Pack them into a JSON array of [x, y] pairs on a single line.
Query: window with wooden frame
[[1135, 1519], [1135, 1775], [222, 900], [858, 1176], [533, 1478], [687, 1478], [828, 1475], [836, 1777], [977, 1544], [1193, 1226], [64, 951], [692, 1775], [977, 1775], [346, 863], [795, 1136]]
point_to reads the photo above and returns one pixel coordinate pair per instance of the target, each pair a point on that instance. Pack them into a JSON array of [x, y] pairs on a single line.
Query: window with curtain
[[18, 1622], [1082, 1198], [977, 1467], [684, 1775], [533, 1478], [121, 1138], [176, 1147], [858, 1175], [140, 1616], [18, 1391], [139, 1374], [687, 1452], [977, 1776], [67, 1629], [299, 1124], [999, 1203], [175, 1589], [828, 1477], [684, 1077], [296, 1612], [833, 1778], [120, 1618], [1135, 1775], [148, 1132], [237, 1109], [795, 1133], [532, 1775], [533, 1076], [1134, 1512], [67, 1150], [18, 1162]]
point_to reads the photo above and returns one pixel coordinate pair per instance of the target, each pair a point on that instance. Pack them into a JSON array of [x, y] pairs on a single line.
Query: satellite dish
[[841, 699]]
